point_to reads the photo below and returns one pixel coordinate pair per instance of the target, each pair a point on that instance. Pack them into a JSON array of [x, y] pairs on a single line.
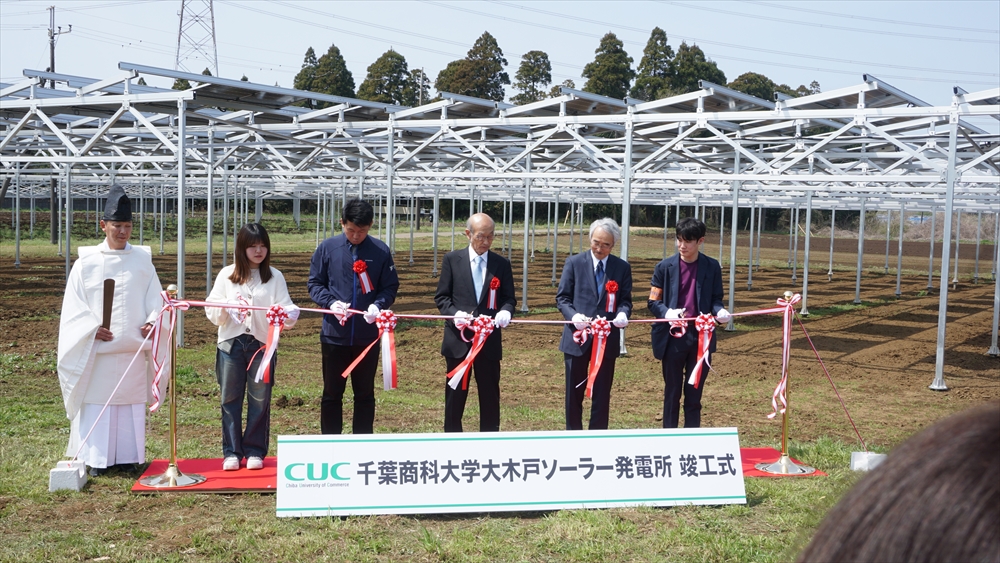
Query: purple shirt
[[687, 295]]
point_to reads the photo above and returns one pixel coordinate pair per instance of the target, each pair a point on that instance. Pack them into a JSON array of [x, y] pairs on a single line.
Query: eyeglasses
[[479, 237], [594, 243]]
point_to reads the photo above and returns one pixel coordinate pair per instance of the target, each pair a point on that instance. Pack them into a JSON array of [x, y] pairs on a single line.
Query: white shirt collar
[[472, 255], [595, 261]]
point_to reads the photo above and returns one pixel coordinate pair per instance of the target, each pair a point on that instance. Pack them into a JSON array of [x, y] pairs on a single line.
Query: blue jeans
[[236, 367]]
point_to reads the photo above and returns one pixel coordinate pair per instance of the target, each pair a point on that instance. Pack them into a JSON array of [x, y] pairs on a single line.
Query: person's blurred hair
[[249, 235], [608, 225], [359, 212], [936, 497], [690, 229]]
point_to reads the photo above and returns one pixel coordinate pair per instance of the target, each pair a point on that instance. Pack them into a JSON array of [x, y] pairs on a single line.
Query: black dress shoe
[[97, 471]]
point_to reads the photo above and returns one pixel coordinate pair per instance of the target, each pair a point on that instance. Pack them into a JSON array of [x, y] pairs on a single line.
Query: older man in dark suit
[[686, 284], [466, 290], [593, 282]]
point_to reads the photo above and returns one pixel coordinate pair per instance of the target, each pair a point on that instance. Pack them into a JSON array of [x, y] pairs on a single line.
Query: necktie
[[478, 275], [599, 275]]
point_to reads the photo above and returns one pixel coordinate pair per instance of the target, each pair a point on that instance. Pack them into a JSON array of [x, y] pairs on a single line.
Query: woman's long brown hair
[[249, 235]]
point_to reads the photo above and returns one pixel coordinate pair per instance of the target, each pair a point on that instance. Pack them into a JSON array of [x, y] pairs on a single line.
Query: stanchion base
[[785, 466], [172, 478]]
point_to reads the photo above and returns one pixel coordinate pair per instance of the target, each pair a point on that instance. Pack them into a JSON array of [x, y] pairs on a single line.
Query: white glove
[[293, 312], [238, 315], [675, 313], [621, 321], [339, 309], [462, 319], [373, 312], [502, 319], [723, 316], [580, 321]]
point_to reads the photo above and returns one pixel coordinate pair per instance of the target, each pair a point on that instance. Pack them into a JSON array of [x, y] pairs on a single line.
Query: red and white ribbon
[[600, 329], [481, 328], [491, 303], [276, 317], [170, 306], [705, 323], [386, 323], [786, 347], [612, 289], [361, 269]]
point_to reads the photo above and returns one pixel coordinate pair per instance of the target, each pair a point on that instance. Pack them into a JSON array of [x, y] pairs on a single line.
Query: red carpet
[[265, 480], [216, 480]]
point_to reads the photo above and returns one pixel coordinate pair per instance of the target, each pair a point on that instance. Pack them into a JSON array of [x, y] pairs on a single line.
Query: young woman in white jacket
[[250, 280]]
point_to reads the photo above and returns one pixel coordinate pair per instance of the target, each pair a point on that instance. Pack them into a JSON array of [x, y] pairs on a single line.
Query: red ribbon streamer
[[276, 317], [786, 347], [600, 329], [491, 303], [481, 327], [705, 323], [386, 323], [171, 305], [612, 288], [361, 269]]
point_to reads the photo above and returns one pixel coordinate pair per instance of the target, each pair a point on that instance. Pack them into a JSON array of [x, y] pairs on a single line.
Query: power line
[[702, 41], [796, 8], [828, 26]]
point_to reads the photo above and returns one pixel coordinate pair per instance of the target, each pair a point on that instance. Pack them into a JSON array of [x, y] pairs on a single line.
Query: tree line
[[662, 72]]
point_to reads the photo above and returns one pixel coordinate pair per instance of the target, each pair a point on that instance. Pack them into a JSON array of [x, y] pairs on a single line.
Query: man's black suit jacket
[[708, 293], [456, 292], [578, 293]]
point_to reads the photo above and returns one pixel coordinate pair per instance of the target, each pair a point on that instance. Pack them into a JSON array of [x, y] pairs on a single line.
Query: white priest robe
[[90, 369]]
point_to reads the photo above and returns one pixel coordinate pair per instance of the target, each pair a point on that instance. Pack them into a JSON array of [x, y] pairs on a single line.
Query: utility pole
[[53, 32], [53, 199], [420, 88]]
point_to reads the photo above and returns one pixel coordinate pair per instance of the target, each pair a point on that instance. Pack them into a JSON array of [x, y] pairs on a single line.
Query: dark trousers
[[487, 374], [678, 362], [335, 361], [236, 369], [577, 368]]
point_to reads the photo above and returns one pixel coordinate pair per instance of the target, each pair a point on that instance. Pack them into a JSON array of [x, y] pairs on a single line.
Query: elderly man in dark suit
[[686, 284], [466, 290], [593, 282]]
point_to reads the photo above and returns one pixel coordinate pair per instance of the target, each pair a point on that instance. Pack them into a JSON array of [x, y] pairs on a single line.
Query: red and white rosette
[[170, 306], [276, 317], [491, 303], [705, 323], [786, 347], [481, 328], [600, 329], [386, 323], [612, 289], [361, 269]]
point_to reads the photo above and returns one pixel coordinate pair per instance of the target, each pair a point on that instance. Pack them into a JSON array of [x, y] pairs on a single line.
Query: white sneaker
[[254, 462], [231, 463]]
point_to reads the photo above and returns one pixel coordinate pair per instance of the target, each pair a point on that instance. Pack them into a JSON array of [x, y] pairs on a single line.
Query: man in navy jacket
[[686, 284], [582, 295], [351, 271], [461, 295]]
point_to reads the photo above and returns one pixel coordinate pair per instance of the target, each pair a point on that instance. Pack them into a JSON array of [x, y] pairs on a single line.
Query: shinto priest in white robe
[[89, 369]]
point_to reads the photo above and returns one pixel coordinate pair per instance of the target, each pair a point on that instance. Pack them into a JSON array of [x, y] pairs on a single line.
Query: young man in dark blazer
[[464, 291], [351, 271], [582, 295], [686, 284]]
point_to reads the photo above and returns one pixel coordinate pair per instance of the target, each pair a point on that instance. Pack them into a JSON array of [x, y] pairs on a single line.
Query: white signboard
[[507, 471]]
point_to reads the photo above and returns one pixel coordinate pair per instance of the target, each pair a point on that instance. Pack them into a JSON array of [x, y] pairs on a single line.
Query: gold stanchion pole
[[784, 465], [172, 477]]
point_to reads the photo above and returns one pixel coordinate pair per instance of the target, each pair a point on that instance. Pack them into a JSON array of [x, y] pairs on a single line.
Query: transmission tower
[[196, 47]]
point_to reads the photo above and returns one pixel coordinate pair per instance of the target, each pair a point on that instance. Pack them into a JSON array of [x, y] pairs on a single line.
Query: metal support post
[[939, 384], [861, 252]]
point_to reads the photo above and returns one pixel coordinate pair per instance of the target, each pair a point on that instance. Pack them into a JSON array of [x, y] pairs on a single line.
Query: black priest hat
[[118, 206]]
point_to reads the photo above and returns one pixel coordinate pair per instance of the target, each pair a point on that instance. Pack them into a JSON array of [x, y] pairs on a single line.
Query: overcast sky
[[923, 48]]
